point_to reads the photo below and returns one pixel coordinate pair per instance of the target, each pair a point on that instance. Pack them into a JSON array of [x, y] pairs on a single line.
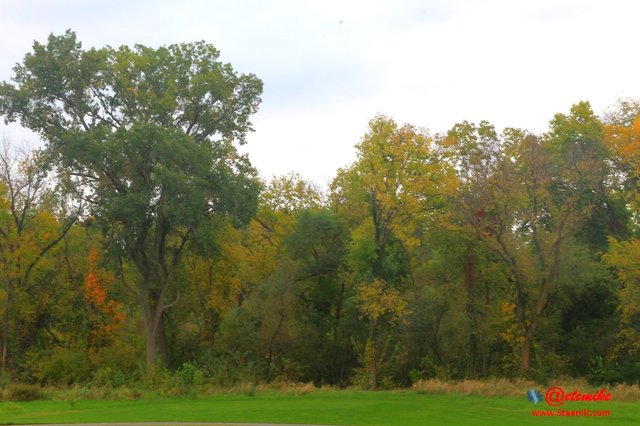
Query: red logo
[[556, 396]]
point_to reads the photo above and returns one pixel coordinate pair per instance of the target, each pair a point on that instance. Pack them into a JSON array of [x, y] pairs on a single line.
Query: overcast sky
[[330, 66]]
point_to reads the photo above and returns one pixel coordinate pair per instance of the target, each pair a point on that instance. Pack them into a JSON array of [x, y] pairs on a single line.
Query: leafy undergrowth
[[486, 388], [22, 392]]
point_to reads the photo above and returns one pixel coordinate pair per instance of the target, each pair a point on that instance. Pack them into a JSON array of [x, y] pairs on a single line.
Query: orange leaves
[[94, 292], [625, 142], [105, 316]]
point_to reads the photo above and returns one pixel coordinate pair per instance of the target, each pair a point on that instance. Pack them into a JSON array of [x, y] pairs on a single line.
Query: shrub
[[106, 376], [190, 375], [24, 392], [122, 359], [61, 367]]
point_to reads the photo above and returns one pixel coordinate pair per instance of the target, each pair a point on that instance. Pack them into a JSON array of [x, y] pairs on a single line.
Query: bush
[[231, 369], [121, 358], [24, 392], [59, 367], [190, 375], [106, 376]]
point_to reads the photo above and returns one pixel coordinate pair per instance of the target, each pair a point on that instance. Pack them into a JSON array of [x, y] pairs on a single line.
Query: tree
[[105, 316], [474, 151], [275, 269], [29, 230], [317, 242], [399, 184], [624, 141], [145, 137], [390, 196], [625, 354], [539, 193]]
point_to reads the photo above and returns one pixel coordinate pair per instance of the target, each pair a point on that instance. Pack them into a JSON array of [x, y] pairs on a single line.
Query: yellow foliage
[[624, 258], [375, 300], [508, 308], [511, 332], [624, 141], [219, 279]]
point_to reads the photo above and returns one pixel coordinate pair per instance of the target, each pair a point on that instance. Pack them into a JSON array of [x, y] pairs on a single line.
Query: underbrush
[[21, 392], [131, 393], [168, 386]]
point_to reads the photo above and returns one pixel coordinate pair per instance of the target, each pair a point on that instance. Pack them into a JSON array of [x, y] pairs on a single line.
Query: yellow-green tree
[[394, 192], [29, 233], [265, 305], [625, 144]]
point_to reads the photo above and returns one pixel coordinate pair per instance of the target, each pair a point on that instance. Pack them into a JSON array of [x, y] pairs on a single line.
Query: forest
[[140, 239]]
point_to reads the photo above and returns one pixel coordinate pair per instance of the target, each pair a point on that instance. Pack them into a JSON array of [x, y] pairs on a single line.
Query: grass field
[[319, 407]]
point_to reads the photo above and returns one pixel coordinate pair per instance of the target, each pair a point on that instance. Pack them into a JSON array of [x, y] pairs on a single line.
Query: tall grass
[[487, 388], [518, 387]]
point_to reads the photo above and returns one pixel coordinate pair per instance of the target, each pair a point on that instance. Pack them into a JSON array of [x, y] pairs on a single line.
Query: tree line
[[140, 237]]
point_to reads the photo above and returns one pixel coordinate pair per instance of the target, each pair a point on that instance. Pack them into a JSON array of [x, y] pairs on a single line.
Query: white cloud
[[330, 66]]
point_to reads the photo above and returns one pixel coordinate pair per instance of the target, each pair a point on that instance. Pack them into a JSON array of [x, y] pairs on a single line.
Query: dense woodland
[[139, 238]]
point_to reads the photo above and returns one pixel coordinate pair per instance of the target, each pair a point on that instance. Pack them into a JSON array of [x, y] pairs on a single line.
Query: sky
[[330, 66]]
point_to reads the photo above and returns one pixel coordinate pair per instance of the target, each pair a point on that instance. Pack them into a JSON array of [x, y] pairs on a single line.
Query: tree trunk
[[372, 364], [530, 333], [470, 279], [151, 327], [525, 354], [6, 329], [485, 361], [156, 342], [336, 323], [153, 315], [473, 356], [371, 356]]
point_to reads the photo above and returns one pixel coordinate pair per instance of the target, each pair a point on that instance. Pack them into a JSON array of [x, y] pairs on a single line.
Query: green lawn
[[320, 407]]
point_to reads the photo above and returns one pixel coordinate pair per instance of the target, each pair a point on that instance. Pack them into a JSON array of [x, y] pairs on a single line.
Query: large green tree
[[145, 138]]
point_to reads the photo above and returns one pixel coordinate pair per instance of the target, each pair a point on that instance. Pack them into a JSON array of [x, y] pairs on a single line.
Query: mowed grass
[[404, 408]]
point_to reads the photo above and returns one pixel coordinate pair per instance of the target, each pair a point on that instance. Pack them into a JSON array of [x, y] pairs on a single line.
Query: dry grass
[[518, 387], [626, 392], [76, 393], [252, 389], [489, 388]]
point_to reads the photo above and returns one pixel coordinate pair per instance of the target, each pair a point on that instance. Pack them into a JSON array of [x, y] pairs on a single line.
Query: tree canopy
[[144, 137], [473, 253]]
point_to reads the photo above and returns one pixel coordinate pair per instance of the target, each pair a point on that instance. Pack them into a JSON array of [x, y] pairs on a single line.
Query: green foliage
[[61, 367], [105, 376], [462, 255], [431, 369], [145, 137], [190, 375]]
